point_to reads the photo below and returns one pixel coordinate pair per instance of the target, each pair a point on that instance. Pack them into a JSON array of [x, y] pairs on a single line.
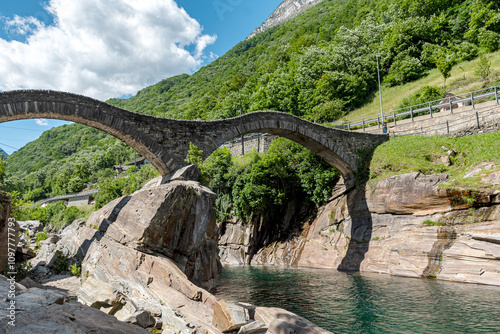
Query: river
[[367, 303]]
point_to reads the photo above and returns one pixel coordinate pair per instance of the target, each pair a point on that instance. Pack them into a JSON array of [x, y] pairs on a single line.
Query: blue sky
[[39, 38]]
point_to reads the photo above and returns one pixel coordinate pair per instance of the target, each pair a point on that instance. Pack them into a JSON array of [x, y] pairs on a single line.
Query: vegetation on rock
[[264, 183], [421, 154]]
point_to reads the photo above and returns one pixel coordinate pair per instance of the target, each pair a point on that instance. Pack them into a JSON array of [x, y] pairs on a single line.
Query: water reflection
[[363, 303]]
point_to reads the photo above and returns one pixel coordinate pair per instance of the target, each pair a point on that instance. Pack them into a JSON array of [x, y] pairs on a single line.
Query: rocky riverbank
[[407, 225], [144, 261]]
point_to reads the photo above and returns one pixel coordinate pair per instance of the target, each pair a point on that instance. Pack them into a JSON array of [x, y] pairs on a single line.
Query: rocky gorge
[[407, 225], [145, 261]]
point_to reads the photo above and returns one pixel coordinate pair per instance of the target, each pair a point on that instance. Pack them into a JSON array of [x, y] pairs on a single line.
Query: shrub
[[404, 70], [467, 51], [423, 95], [60, 263], [327, 111], [22, 271], [75, 269], [40, 236], [489, 40], [483, 68], [432, 223]]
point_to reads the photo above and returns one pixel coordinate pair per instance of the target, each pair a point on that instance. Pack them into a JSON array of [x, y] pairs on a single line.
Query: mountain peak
[[285, 12]]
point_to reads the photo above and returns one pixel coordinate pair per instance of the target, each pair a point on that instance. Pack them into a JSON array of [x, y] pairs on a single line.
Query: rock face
[[41, 311], [239, 241], [406, 226], [286, 11]]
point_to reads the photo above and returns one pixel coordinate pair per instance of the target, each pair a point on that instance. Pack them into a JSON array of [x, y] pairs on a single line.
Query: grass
[[419, 154], [88, 209], [432, 223], [462, 80]]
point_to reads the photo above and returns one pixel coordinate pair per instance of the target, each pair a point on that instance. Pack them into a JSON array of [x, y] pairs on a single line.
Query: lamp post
[[380, 92]]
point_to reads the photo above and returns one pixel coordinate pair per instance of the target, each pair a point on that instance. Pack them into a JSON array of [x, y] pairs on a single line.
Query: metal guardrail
[[476, 120], [420, 109]]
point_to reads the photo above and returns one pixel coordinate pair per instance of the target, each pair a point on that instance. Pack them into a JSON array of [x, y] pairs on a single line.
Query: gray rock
[[32, 226], [229, 317], [253, 327], [142, 319], [188, 173], [493, 178], [287, 10], [44, 311]]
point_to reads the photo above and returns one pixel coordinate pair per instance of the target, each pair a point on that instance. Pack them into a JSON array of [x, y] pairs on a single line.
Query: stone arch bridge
[[165, 142]]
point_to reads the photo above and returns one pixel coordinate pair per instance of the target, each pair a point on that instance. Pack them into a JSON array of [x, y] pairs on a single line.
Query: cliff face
[[285, 12], [406, 226]]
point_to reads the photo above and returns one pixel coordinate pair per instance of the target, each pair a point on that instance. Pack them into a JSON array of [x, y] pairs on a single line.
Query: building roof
[[67, 197]]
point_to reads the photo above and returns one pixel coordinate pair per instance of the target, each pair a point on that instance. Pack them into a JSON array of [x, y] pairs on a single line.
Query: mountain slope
[[319, 65]]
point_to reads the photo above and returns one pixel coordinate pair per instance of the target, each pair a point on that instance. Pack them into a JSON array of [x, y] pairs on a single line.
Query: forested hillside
[[320, 66], [63, 160]]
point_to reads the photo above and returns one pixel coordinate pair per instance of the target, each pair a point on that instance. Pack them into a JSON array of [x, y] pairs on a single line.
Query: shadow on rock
[[361, 231]]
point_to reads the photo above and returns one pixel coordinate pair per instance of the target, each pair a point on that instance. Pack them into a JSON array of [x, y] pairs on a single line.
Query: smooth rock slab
[[229, 317]]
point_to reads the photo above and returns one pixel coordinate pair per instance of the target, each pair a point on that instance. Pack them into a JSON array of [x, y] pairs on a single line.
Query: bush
[[22, 271], [60, 263], [467, 51], [75, 269], [404, 70], [327, 111], [432, 223], [483, 68], [264, 183], [41, 236], [123, 185], [489, 40], [423, 95]]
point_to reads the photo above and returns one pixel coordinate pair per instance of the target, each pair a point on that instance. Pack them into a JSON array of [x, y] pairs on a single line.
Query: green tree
[[194, 155], [483, 68], [445, 64]]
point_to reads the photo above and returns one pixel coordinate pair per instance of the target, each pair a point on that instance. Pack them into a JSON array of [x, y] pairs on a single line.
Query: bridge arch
[[290, 127], [165, 142], [122, 124]]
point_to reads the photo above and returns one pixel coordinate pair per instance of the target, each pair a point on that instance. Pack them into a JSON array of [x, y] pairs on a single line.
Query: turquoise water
[[367, 303]]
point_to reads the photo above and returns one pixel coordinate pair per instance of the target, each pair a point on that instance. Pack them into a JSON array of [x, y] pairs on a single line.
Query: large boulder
[[141, 254], [46, 311], [176, 220]]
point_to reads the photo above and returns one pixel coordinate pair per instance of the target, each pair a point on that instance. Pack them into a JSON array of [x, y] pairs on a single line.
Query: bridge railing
[[486, 120], [427, 108]]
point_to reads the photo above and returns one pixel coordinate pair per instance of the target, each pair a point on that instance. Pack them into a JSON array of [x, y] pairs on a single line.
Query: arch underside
[[133, 141], [314, 146]]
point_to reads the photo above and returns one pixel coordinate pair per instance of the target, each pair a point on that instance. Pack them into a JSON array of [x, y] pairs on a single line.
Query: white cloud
[[42, 122], [102, 48]]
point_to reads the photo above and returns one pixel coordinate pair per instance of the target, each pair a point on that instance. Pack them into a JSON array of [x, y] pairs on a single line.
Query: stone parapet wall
[[260, 144]]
